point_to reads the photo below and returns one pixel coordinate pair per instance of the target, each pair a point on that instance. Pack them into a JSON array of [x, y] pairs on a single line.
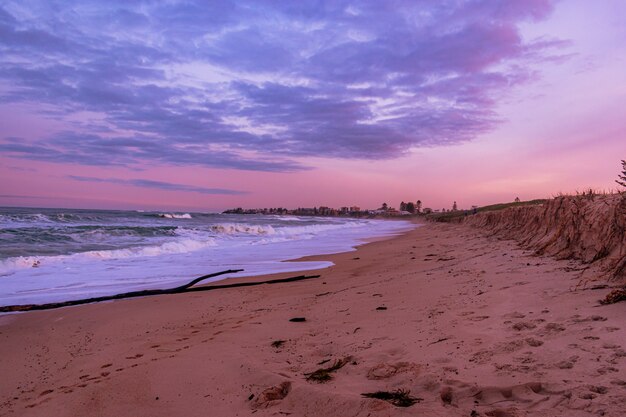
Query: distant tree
[[622, 177], [403, 206], [454, 206], [384, 207], [410, 207], [517, 199], [418, 206]]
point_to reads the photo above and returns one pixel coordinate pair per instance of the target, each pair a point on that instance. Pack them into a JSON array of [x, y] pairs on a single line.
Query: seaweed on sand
[[399, 397], [278, 343], [324, 374]]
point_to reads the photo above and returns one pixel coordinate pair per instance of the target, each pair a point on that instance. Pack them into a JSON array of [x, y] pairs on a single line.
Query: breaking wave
[[167, 248], [175, 216]]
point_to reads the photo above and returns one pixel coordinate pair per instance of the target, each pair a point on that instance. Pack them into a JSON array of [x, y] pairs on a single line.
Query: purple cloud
[[167, 186], [261, 85]]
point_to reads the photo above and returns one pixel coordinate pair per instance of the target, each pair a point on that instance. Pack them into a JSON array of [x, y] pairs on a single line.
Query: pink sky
[[562, 131]]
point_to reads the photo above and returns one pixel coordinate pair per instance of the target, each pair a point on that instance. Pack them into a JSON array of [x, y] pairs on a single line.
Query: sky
[[194, 105]]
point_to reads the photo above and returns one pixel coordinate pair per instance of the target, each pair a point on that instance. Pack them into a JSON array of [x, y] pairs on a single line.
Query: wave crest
[[174, 216], [175, 247]]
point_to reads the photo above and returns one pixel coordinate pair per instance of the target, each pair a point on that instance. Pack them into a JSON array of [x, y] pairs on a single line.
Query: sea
[[54, 255]]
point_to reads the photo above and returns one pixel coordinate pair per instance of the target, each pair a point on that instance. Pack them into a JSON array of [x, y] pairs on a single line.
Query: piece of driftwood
[[143, 293]]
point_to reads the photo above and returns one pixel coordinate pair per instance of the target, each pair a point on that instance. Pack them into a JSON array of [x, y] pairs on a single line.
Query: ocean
[[53, 255]]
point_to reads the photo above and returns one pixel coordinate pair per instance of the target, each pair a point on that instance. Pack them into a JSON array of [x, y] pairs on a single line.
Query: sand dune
[[463, 323]]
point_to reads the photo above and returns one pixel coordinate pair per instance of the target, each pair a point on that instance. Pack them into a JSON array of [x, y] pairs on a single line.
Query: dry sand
[[473, 326]]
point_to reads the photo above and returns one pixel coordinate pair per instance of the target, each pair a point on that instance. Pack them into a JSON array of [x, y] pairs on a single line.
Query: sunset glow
[[180, 105]]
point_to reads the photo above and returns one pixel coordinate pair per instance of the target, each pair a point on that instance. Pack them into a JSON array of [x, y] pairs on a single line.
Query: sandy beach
[[207, 208], [471, 325]]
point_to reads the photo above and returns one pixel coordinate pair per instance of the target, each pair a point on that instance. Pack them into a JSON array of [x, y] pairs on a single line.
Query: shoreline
[[257, 278], [242, 275], [463, 321], [257, 249]]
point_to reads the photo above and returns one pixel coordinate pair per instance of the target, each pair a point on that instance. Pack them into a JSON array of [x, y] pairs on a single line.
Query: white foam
[[175, 216], [10, 265], [177, 246], [232, 228]]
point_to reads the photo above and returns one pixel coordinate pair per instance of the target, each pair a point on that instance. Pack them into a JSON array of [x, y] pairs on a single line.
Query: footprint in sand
[[603, 370], [567, 364], [617, 355], [533, 342], [502, 412], [610, 346], [478, 318], [551, 328], [523, 325], [137, 356], [271, 396], [387, 370], [577, 319]]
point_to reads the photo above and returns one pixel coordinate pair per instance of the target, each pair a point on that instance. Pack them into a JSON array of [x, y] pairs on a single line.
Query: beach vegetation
[[621, 178], [453, 216]]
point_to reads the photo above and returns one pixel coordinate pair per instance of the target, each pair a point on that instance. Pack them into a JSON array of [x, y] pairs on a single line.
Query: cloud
[[98, 150], [166, 186], [22, 196], [261, 85]]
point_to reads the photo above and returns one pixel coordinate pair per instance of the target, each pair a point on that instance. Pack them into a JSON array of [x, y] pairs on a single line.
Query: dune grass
[[451, 216]]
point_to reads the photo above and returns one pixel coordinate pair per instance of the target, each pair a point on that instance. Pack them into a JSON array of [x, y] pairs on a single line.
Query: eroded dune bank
[[591, 229]]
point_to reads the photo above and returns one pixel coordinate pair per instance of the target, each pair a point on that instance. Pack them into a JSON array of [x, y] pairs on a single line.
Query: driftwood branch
[[144, 293]]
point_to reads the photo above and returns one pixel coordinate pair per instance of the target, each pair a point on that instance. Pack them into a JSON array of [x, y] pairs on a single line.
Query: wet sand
[[470, 325]]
